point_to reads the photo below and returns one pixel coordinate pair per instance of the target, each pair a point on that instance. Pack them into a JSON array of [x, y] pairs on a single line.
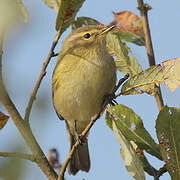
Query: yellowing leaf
[[124, 63], [23, 11], [3, 120], [169, 74], [10, 13], [54, 4], [171, 70], [67, 12], [131, 160]]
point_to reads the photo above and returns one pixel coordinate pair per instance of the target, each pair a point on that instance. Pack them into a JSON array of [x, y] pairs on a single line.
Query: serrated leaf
[[67, 12], [23, 11], [167, 129], [131, 126], [81, 21], [54, 4], [129, 27], [124, 63], [3, 120], [168, 73], [131, 160]]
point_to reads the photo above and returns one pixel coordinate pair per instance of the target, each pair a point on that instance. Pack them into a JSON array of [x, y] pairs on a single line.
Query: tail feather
[[80, 159]]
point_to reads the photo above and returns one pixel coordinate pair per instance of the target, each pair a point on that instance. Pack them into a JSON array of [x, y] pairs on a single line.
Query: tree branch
[[84, 133], [161, 172], [42, 74], [19, 155], [149, 47], [23, 126]]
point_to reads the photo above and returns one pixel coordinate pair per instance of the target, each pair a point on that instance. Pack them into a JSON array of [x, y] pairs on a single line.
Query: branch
[[19, 155], [149, 47], [161, 172], [84, 133], [41, 75], [23, 126]]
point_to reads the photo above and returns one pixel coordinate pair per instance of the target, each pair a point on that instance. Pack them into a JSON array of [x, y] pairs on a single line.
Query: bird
[[84, 74]]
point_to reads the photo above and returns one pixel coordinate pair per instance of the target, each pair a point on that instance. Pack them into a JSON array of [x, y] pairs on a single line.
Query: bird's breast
[[82, 86]]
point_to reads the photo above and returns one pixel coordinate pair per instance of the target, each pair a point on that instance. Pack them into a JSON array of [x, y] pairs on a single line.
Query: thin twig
[[84, 133], [19, 155], [23, 126], [149, 47], [41, 75], [161, 172]]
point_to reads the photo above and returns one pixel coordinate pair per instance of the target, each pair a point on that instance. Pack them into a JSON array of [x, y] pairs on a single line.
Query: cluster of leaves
[[126, 124]]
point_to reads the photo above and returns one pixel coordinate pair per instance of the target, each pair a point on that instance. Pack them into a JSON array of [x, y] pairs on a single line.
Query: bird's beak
[[106, 30]]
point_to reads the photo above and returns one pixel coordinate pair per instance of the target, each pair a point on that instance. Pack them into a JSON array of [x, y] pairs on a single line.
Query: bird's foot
[[110, 99]]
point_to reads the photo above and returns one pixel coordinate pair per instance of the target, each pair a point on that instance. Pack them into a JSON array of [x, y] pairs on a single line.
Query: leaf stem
[[149, 47], [161, 172]]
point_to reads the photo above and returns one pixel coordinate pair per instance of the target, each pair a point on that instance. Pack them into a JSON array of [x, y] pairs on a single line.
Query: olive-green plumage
[[84, 73]]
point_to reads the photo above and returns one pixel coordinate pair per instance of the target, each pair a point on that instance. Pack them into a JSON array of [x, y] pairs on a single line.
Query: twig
[[149, 47], [161, 172], [41, 75], [84, 133], [23, 126], [19, 155]]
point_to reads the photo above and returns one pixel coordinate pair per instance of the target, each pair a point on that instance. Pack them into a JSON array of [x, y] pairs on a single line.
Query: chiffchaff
[[84, 74]]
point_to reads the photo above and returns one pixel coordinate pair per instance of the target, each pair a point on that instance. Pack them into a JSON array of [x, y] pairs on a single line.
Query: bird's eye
[[87, 36]]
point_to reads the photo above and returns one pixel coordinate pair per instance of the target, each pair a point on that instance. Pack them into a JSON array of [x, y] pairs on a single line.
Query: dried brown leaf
[[3, 120], [127, 21]]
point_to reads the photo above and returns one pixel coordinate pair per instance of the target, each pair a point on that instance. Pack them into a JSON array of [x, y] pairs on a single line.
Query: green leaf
[[131, 126], [80, 21], [145, 81], [67, 12], [137, 39], [3, 120], [131, 160], [167, 129], [124, 63], [54, 4]]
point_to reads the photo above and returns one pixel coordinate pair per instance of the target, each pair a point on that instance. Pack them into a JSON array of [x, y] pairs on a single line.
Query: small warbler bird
[[84, 74]]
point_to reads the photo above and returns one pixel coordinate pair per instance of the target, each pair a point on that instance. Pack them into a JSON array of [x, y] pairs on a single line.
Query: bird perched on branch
[[84, 74]]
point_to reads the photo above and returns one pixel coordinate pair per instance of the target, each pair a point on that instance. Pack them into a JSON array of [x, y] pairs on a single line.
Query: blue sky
[[24, 52]]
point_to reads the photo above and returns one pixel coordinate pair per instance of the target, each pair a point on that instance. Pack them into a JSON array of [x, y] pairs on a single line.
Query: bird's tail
[[80, 159]]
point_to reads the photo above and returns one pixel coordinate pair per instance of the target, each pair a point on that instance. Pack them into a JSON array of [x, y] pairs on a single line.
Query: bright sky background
[[26, 49]]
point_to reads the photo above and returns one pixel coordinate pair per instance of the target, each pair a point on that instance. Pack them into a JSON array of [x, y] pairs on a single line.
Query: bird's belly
[[82, 93]]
